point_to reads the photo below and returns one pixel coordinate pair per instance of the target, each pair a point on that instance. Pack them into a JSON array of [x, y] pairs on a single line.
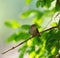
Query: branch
[[17, 45], [49, 29], [28, 39]]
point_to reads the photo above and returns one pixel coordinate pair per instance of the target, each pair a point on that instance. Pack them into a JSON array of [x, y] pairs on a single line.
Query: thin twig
[[49, 29], [17, 45], [28, 39]]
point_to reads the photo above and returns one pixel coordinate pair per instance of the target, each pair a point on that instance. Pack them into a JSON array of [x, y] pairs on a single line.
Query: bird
[[34, 30]]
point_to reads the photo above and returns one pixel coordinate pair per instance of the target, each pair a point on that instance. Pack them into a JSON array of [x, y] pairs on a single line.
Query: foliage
[[48, 44], [12, 24]]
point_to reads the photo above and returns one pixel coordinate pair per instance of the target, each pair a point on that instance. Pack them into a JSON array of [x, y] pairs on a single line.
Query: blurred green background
[[15, 10]]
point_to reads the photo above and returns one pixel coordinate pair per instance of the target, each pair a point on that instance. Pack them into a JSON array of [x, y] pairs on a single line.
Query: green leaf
[[43, 3], [21, 55], [22, 51], [54, 24], [25, 27], [53, 49], [22, 48], [32, 54], [57, 7], [12, 24], [38, 51], [37, 3], [28, 1], [59, 23], [40, 3], [30, 42], [38, 21], [18, 36], [26, 14], [36, 41], [31, 49], [29, 13], [51, 41], [22, 36], [11, 38]]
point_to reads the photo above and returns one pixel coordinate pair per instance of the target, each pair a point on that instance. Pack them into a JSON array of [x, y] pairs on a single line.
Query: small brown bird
[[33, 30]]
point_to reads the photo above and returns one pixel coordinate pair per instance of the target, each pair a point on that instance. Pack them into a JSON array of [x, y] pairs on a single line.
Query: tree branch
[[17, 45], [28, 39], [49, 29]]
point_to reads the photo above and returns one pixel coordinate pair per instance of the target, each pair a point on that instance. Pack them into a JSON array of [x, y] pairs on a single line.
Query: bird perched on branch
[[34, 30]]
